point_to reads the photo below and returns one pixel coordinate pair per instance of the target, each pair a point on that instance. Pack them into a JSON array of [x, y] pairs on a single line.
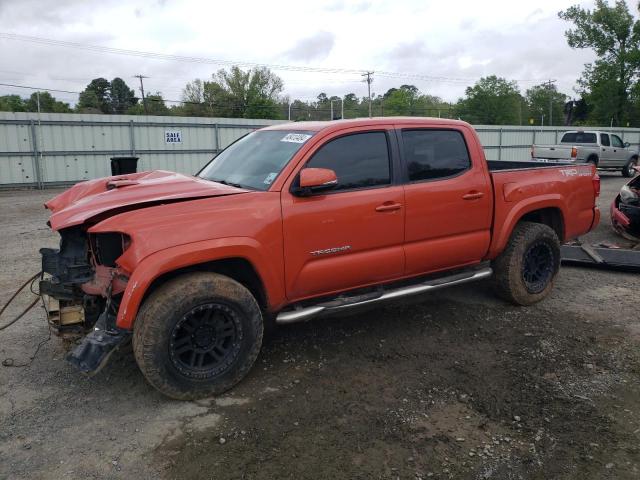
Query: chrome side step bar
[[306, 313]]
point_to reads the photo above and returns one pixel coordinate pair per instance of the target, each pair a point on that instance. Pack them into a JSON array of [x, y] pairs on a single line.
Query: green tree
[[399, 101], [614, 35], [193, 98], [88, 102], [47, 104], [491, 101], [540, 98], [121, 97], [12, 103], [408, 100], [351, 104], [155, 106], [95, 97], [243, 94]]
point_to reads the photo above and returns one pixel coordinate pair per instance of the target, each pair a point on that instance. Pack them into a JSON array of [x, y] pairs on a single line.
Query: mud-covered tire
[[215, 317], [514, 270], [628, 171]]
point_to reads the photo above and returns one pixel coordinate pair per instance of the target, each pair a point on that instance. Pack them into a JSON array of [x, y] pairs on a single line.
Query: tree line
[[608, 90]]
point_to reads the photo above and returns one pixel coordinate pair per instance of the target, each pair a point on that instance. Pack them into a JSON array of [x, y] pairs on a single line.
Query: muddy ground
[[459, 385]]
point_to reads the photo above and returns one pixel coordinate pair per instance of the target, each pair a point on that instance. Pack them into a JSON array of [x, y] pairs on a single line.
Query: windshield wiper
[[225, 182]]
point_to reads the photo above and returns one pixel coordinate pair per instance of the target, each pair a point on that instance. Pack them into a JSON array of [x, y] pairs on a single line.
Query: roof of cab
[[363, 122]]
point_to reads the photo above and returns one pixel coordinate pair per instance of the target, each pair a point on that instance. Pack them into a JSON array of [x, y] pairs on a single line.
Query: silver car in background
[[604, 149]]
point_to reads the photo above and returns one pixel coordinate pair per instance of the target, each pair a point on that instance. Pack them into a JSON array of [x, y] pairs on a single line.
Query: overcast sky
[[458, 40]]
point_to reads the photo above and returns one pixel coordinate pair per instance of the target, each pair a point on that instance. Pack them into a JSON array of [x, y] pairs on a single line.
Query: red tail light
[[574, 152], [596, 184]]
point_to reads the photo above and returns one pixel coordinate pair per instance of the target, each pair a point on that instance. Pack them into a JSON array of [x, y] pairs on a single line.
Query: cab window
[[616, 141], [360, 160], [604, 140], [432, 154]]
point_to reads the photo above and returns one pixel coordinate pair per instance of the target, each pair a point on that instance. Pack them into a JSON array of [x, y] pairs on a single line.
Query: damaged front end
[[625, 211], [82, 292]]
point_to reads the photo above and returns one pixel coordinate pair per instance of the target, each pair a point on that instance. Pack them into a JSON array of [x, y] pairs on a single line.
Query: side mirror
[[627, 144], [315, 180]]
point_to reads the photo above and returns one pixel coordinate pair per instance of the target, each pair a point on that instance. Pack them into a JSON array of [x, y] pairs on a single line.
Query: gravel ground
[[458, 385]]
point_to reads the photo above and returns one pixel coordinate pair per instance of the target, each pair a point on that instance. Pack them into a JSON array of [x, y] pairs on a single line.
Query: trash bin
[[124, 165]]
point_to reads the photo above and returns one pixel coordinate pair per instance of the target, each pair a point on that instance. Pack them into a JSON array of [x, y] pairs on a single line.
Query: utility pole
[[369, 79], [548, 85], [144, 101]]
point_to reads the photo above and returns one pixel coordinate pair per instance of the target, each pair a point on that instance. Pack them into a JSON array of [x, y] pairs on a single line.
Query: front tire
[[525, 271], [197, 335]]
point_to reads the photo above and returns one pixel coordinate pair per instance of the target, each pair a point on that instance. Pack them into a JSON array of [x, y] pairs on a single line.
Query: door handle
[[388, 207], [473, 195]]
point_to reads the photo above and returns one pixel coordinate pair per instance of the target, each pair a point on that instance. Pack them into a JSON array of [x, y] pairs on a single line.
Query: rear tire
[[593, 159], [628, 171], [526, 270], [197, 335]]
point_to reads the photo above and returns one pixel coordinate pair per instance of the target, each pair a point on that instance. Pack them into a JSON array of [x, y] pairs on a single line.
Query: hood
[[92, 198]]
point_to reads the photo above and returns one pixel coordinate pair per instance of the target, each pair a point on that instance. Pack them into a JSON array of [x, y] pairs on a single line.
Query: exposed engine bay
[[82, 293]]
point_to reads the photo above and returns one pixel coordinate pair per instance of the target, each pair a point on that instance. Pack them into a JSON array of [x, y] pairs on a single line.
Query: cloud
[[317, 47], [413, 37]]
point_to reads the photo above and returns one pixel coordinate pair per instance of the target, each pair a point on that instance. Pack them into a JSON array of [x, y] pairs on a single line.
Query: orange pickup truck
[[292, 222]]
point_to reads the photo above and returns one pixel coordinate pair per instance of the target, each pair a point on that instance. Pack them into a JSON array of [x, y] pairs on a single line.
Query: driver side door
[[353, 235], [620, 153]]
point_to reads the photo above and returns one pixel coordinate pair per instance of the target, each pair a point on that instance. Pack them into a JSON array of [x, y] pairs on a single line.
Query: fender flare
[[500, 239], [189, 254]]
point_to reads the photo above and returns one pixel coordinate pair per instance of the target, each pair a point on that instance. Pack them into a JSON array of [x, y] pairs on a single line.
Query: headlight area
[[83, 293], [629, 195], [109, 280], [82, 279]]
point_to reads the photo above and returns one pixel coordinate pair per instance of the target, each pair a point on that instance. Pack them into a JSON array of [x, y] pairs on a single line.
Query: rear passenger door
[[449, 201]]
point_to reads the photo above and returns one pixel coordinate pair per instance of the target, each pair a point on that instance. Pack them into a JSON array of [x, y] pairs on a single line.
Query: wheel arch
[[236, 258], [548, 212], [237, 268], [593, 157], [550, 216]]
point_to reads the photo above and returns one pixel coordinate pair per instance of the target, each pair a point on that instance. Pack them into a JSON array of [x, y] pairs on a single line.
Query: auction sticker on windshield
[[270, 178], [295, 138]]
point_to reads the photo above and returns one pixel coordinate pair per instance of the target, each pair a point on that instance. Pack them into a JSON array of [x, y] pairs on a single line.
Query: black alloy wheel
[[538, 267], [205, 341]]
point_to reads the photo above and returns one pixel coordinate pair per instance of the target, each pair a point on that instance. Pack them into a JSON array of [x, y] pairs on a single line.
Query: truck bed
[[564, 189], [498, 165]]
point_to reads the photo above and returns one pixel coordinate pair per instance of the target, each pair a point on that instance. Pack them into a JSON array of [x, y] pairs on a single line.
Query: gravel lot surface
[[456, 385]]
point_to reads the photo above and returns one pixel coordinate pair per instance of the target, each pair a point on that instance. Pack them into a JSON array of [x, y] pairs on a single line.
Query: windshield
[[255, 160]]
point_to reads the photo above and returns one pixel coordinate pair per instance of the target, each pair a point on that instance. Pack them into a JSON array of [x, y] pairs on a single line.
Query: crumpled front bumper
[[625, 219]]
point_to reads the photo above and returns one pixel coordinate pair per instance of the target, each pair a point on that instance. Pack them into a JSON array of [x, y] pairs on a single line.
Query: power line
[[229, 63]]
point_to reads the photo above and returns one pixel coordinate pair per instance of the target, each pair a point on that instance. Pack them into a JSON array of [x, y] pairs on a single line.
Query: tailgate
[[551, 152]]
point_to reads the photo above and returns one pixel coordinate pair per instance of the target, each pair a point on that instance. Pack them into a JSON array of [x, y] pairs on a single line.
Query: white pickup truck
[[605, 150]]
